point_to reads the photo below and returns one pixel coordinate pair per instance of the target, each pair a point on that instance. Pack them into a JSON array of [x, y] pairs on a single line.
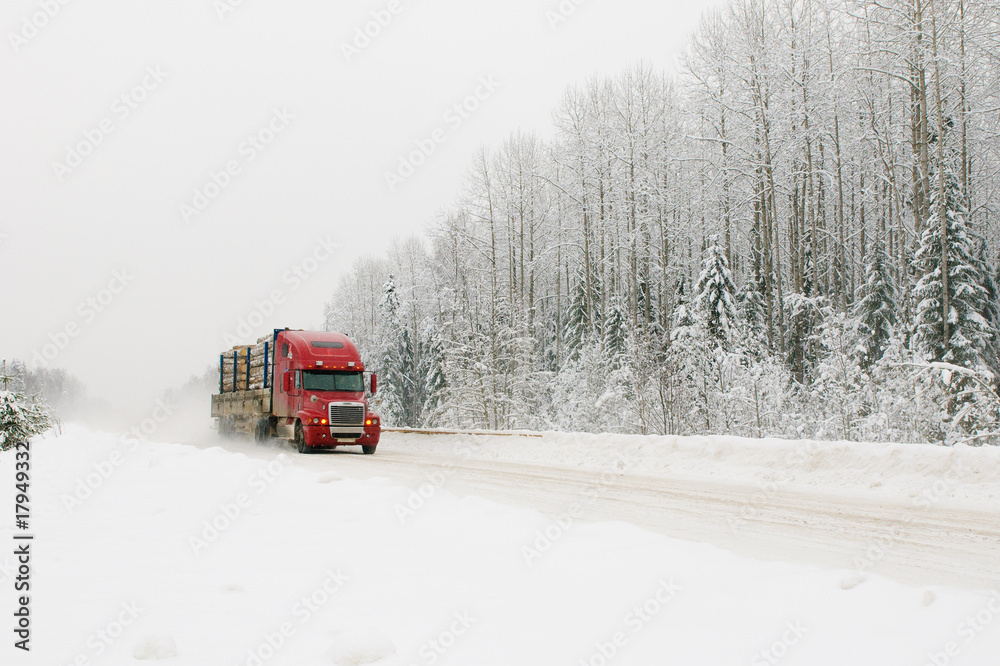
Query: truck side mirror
[[286, 382], [374, 383]]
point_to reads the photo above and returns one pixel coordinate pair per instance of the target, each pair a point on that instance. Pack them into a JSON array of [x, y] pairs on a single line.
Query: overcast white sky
[[196, 85]]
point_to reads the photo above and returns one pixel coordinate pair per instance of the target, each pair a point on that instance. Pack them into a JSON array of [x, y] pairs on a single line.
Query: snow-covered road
[[250, 554], [926, 537]]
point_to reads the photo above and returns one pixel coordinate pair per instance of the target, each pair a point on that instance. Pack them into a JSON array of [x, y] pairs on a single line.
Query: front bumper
[[320, 435]]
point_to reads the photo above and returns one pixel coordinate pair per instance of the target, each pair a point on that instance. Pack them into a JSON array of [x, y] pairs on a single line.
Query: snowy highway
[[225, 551], [930, 539]]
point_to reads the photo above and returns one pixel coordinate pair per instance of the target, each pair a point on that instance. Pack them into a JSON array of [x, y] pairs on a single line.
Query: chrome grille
[[347, 414]]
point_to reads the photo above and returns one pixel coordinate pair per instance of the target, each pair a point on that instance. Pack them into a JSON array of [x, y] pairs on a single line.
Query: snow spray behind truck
[[303, 385]]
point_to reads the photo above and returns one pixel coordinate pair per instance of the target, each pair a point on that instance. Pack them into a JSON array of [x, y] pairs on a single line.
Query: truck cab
[[318, 389]]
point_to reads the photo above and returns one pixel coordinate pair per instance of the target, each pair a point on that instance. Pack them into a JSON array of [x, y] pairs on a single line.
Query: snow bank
[[970, 474], [210, 557]]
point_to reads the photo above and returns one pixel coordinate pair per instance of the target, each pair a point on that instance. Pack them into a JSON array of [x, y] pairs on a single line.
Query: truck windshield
[[332, 381]]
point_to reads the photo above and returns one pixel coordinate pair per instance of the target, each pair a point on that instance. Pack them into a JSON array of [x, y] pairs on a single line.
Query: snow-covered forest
[[795, 236], [22, 415]]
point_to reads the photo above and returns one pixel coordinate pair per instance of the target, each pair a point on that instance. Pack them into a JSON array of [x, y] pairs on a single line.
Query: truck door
[[282, 400]]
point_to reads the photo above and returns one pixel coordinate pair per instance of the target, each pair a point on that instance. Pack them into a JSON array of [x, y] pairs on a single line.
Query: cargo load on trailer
[[307, 386]]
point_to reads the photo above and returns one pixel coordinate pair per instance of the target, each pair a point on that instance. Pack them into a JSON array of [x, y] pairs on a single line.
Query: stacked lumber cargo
[[240, 357]]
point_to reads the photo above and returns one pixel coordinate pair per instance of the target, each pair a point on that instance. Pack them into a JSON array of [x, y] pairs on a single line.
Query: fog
[[177, 177]]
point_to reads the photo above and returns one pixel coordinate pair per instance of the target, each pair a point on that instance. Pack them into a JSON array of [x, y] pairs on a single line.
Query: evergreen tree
[[615, 334], [805, 317], [875, 308], [990, 311], [21, 418], [646, 300], [751, 308], [716, 300], [393, 360], [959, 335], [575, 329], [682, 316], [432, 373]]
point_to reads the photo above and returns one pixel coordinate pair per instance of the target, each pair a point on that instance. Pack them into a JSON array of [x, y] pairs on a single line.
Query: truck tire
[[262, 430], [368, 450], [300, 439]]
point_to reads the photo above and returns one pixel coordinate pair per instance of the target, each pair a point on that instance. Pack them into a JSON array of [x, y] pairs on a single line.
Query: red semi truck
[[304, 385]]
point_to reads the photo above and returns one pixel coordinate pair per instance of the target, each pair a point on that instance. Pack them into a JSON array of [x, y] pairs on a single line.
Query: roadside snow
[[163, 549], [967, 474]]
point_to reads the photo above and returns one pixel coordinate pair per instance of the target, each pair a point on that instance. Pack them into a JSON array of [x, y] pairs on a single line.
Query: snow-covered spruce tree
[[835, 393], [576, 326], [15, 376], [716, 299], [751, 310], [469, 398], [804, 315], [393, 360], [581, 398], [647, 358], [646, 303], [21, 417], [581, 322], [875, 308], [432, 373], [949, 295], [682, 315], [689, 368], [615, 334], [990, 311]]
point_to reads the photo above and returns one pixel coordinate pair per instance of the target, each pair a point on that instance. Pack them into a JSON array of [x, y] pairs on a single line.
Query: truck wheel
[[262, 430], [368, 450], [300, 439]]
